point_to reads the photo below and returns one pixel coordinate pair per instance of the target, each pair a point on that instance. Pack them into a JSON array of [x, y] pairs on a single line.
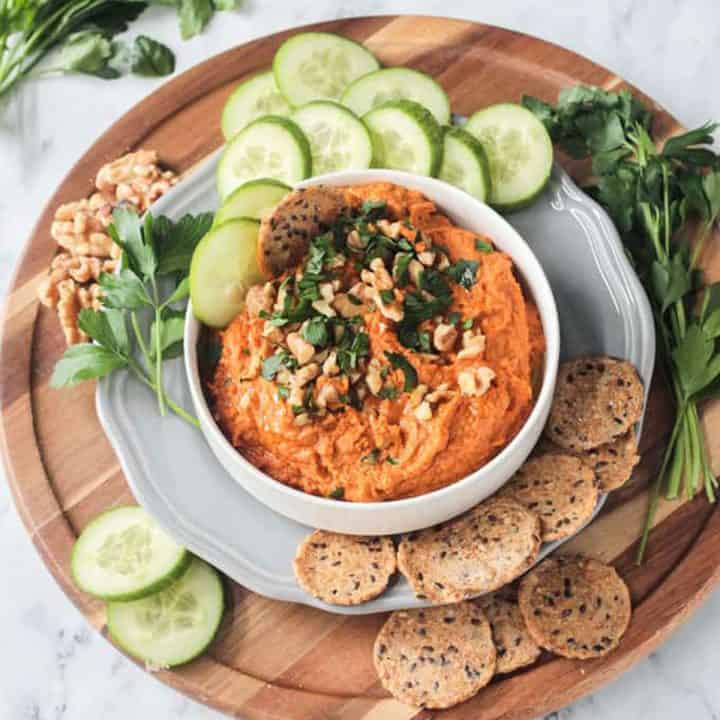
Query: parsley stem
[[180, 412], [656, 490], [158, 362], [158, 347], [140, 339]]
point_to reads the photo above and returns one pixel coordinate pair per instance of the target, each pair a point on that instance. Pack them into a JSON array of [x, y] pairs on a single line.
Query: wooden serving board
[[274, 660]]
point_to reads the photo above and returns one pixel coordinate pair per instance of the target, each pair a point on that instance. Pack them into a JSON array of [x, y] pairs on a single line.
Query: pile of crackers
[[489, 615]]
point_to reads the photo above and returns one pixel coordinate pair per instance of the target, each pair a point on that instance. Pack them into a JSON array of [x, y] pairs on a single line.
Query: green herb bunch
[[153, 279], [665, 202], [83, 32]]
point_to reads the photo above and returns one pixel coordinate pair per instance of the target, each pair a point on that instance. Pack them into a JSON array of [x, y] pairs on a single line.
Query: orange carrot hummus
[[396, 359]]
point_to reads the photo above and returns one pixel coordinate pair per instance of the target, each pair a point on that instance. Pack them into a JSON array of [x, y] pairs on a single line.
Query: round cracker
[[513, 643], [596, 400], [560, 488], [613, 463], [435, 657], [285, 234], [575, 606], [475, 554], [344, 569]]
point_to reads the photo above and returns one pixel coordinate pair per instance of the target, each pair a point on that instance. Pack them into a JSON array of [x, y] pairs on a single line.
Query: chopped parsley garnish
[[467, 324], [392, 460], [387, 296], [390, 392], [372, 457], [338, 493], [400, 268], [482, 246], [400, 362], [272, 365], [283, 392], [454, 318], [298, 409], [424, 341], [316, 331], [463, 272], [373, 209], [351, 348], [354, 300]]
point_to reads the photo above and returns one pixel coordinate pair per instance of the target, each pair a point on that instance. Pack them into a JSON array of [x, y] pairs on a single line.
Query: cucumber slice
[[250, 100], [270, 147], [319, 66], [223, 268], [465, 164], [254, 199], [405, 137], [338, 139], [520, 152], [398, 83], [173, 626], [123, 555]]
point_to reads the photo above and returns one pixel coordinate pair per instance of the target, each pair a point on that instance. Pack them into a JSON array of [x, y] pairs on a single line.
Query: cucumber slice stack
[[338, 139], [253, 199], [406, 137], [270, 147], [465, 163], [164, 606], [174, 626], [319, 66], [252, 99], [223, 268], [377, 88], [520, 152]]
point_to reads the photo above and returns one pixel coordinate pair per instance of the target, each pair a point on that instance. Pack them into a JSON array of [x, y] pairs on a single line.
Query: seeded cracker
[[435, 657], [596, 400], [614, 462], [285, 234], [344, 569], [575, 606], [559, 488], [514, 645], [477, 553]]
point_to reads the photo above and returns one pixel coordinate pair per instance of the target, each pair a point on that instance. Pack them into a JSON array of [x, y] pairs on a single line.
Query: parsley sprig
[[156, 256], [652, 193]]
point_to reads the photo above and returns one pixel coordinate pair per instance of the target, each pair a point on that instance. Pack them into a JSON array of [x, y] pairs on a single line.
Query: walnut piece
[[80, 230]]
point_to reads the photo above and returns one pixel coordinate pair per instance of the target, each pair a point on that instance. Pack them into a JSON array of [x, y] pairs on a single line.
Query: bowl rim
[[547, 309]]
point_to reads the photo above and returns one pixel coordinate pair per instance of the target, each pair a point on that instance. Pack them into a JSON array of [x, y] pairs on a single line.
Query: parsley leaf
[[338, 493], [400, 362], [316, 331], [123, 290], [175, 243], [463, 272], [85, 362], [482, 246]]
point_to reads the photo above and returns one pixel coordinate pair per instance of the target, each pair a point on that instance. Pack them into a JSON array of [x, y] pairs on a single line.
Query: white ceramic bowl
[[398, 516]]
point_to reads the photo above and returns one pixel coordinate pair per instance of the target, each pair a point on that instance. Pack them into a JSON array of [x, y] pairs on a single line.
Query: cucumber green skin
[[284, 48], [530, 199], [425, 119], [117, 640], [177, 571], [425, 76], [220, 219], [198, 249], [288, 125], [475, 146]]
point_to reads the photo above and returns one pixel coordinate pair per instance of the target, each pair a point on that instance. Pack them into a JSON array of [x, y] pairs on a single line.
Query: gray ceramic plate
[[174, 475]]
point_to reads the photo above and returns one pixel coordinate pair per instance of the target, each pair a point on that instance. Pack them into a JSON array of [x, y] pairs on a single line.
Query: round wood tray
[[276, 660]]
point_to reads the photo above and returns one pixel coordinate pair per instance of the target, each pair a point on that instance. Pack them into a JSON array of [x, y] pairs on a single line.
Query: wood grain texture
[[274, 660]]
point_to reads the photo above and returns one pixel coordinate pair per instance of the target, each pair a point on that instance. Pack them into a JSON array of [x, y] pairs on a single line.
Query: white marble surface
[[52, 665]]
